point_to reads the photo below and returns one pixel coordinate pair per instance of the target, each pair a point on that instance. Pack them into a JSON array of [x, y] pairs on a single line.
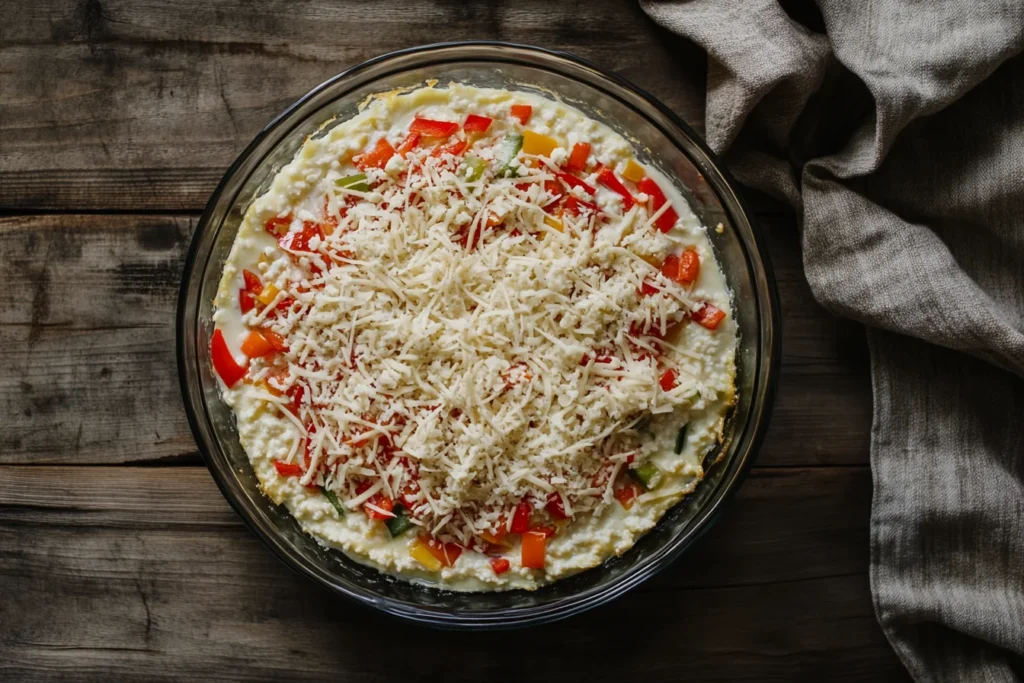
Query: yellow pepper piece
[[535, 143], [553, 223], [634, 172], [421, 554], [268, 295]]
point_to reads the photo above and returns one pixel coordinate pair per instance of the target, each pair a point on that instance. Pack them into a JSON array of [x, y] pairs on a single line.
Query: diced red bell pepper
[[547, 529], [379, 501], [500, 565], [521, 518], [648, 289], [670, 268], [476, 124], [299, 241], [709, 316], [572, 204], [607, 178], [534, 544], [578, 157], [377, 157], [668, 380], [555, 506], [627, 494], [288, 469], [278, 226], [246, 301], [651, 189], [522, 112], [432, 128], [689, 266], [446, 553], [223, 362], [411, 142], [255, 346], [252, 282], [572, 181], [295, 393], [455, 149]]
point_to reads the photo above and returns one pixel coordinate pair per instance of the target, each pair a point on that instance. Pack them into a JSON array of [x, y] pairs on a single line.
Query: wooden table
[[118, 555]]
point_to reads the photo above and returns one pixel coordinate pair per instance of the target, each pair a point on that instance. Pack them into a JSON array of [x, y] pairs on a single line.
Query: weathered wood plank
[[116, 104], [98, 577], [89, 371]]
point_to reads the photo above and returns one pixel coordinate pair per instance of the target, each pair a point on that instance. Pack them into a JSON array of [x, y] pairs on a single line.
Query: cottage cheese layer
[[470, 339]]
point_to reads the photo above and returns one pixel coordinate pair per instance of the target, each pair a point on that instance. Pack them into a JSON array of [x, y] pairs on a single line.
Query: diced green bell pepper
[[400, 523], [333, 500], [472, 169], [647, 475], [355, 182], [509, 149], [681, 439]]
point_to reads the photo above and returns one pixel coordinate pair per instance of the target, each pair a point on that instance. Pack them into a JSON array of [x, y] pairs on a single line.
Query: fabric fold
[[898, 137]]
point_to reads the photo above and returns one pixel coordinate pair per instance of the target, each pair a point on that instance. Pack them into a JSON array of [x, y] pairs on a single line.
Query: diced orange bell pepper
[[522, 112], [578, 157], [633, 172], [275, 340], [534, 547], [709, 316], [446, 553], [256, 346], [627, 494], [689, 266], [536, 143], [377, 157]]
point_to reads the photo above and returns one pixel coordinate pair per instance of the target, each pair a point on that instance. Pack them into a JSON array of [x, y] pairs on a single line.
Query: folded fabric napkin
[[897, 134]]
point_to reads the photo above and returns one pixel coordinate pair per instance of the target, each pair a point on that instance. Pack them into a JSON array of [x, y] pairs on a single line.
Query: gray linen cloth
[[898, 136]]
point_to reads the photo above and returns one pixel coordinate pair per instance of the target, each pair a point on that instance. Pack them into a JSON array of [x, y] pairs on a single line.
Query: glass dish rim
[[769, 320]]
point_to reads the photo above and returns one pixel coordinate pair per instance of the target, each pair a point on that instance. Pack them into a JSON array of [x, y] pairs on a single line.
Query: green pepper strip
[[333, 500], [510, 146], [355, 182], [476, 168], [647, 475], [681, 439], [400, 523]]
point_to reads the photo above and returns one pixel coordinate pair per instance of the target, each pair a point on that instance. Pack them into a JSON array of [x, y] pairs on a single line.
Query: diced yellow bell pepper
[[268, 295], [536, 143], [553, 223], [634, 172], [422, 554]]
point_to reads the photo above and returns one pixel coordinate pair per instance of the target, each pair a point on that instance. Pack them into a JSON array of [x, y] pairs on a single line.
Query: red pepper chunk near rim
[[578, 158], [246, 301], [521, 518], [378, 157], [522, 113], [607, 178], [650, 188], [500, 565], [288, 469], [446, 553], [555, 506], [689, 267], [709, 316], [299, 241], [224, 362], [572, 181], [476, 124], [432, 128]]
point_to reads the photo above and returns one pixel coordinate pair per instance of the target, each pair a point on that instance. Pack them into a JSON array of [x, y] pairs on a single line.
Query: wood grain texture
[[89, 375], [128, 105], [146, 572]]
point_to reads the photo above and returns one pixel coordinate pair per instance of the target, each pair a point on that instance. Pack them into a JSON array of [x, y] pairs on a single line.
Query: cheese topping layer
[[464, 344]]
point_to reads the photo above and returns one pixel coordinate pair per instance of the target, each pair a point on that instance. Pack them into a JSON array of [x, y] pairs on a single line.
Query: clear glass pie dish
[[662, 140]]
